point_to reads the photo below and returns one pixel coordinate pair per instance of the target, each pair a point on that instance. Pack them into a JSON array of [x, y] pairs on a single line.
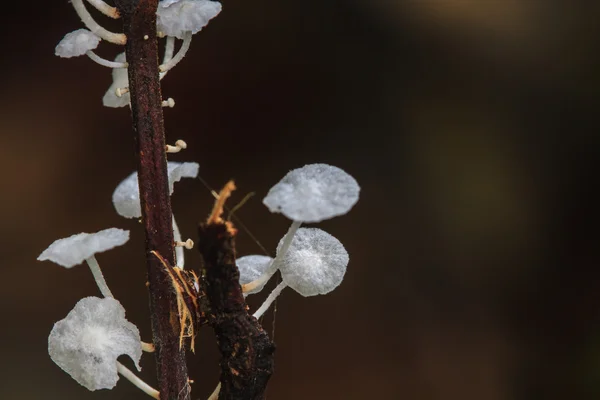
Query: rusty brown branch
[[139, 20]]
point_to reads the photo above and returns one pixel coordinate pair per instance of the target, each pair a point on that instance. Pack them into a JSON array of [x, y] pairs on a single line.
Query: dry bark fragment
[[246, 350]]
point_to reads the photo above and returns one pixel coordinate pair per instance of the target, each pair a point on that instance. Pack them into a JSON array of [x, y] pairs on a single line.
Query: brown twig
[[246, 349], [139, 20]]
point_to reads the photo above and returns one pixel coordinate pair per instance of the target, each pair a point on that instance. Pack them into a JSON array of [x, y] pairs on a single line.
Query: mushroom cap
[[88, 341], [176, 17], [315, 262], [313, 193], [251, 268], [76, 43], [120, 80], [126, 197], [73, 250]]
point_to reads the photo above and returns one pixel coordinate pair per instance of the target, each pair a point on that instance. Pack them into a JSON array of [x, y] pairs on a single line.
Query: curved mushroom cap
[[251, 268], [176, 17], [88, 341], [76, 43], [73, 250], [126, 197], [315, 262], [120, 80], [313, 193]]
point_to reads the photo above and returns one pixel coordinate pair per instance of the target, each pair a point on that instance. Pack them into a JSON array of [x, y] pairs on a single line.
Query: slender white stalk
[[105, 62], [105, 9], [148, 347], [215, 393], [169, 49], [264, 278], [185, 46], [287, 241], [116, 38], [131, 377], [179, 251], [265, 306], [168, 56], [97, 272]]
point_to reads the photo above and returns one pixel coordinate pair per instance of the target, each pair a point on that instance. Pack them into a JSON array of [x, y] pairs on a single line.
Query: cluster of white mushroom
[[311, 261], [88, 341], [175, 19]]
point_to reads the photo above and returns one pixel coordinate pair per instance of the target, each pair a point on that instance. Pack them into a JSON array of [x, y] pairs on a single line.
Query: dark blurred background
[[472, 127]]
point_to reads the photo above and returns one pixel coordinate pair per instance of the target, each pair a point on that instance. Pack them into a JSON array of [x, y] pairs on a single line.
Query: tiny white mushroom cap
[[88, 341], [315, 262], [120, 80], [73, 250], [313, 193], [251, 268], [76, 43], [126, 197], [176, 17]]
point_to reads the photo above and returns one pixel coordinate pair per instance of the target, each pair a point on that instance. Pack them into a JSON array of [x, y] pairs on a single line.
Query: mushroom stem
[[97, 272], [179, 251], [88, 21], [121, 91], [105, 9], [131, 377], [169, 49], [104, 62], [168, 56], [188, 244], [148, 347], [185, 46], [179, 145], [287, 241], [215, 393], [267, 303]]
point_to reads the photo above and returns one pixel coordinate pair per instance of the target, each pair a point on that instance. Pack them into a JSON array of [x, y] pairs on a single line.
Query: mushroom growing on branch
[[75, 249], [87, 342], [313, 193], [315, 263], [126, 197]]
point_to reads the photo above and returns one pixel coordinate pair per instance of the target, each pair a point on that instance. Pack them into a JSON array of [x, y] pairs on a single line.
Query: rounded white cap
[[315, 262], [313, 193], [88, 341], [73, 250], [176, 17], [251, 268], [76, 43], [126, 197]]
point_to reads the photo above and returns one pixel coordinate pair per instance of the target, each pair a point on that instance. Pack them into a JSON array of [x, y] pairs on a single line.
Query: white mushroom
[[251, 268], [88, 341], [75, 249], [120, 80], [313, 193], [80, 42], [77, 43], [315, 263], [176, 17], [126, 197]]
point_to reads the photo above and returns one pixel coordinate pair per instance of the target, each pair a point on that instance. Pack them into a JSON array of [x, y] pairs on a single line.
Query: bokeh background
[[472, 127]]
